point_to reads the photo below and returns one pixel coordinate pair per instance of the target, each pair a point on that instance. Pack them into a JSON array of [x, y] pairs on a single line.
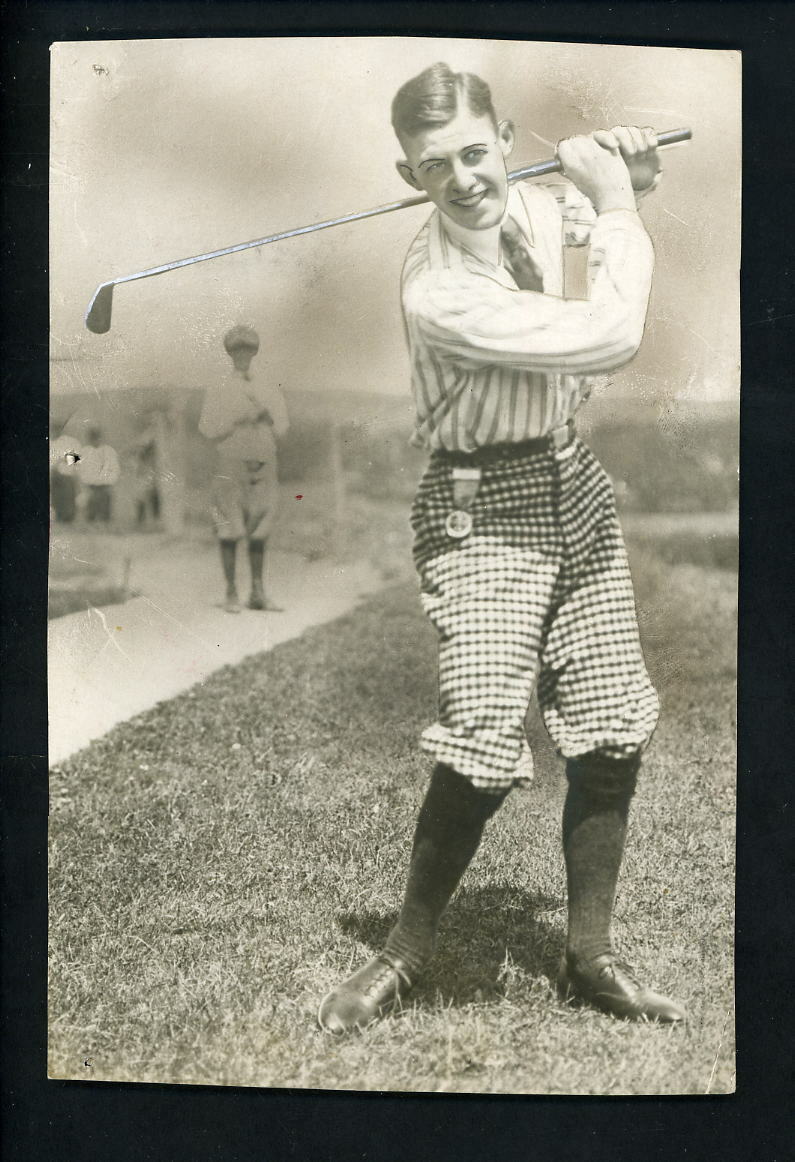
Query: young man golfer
[[244, 417], [520, 555]]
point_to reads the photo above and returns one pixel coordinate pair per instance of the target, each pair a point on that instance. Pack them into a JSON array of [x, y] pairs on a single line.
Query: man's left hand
[[639, 151]]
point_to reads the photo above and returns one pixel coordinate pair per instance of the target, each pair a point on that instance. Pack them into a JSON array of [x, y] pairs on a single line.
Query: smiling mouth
[[471, 200]]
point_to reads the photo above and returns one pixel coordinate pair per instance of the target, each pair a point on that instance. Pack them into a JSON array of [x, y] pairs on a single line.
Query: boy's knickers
[[538, 592]]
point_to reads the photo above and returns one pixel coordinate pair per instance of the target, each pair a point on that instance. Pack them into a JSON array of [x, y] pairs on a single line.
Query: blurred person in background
[[244, 417], [147, 493], [65, 454], [98, 471]]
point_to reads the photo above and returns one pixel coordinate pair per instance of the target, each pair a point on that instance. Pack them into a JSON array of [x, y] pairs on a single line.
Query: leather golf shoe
[[373, 991], [611, 986]]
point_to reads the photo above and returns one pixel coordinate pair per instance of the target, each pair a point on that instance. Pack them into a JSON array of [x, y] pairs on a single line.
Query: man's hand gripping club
[[611, 165]]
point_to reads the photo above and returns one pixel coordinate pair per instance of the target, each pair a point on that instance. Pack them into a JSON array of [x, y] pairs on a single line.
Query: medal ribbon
[[466, 482], [465, 488]]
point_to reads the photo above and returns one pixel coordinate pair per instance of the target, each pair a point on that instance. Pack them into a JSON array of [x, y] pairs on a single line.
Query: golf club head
[[100, 309]]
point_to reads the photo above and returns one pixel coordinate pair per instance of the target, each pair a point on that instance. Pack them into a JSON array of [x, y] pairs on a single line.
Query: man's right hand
[[595, 165]]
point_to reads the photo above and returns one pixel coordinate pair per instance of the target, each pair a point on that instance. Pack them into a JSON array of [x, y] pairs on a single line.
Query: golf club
[[98, 315]]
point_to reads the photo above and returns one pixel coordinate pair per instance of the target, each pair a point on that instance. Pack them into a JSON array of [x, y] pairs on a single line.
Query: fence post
[[172, 464], [338, 486]]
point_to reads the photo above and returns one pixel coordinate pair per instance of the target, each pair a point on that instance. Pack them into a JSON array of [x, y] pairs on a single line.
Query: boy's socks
[[594, 830], [449, 829]]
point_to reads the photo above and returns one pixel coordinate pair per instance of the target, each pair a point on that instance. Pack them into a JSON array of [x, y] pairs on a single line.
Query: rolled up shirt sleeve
[[577, 212], [475, 321]]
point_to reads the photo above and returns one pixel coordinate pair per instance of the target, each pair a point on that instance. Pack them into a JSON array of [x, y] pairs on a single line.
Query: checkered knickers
[[539, 590]]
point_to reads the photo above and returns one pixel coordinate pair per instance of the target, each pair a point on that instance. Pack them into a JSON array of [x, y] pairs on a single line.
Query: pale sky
[[167, 148]]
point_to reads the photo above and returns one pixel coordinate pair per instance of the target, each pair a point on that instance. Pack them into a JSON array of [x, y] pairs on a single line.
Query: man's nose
[[463, 178]]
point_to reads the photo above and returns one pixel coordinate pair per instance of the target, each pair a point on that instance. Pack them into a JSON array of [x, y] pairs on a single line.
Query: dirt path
[[108, 664]]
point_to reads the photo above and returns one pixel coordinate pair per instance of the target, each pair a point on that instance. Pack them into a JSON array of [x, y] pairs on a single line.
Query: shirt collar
[[485, 244]]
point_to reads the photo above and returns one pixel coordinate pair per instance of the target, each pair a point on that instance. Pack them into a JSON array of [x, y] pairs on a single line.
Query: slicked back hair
[[433, 98]]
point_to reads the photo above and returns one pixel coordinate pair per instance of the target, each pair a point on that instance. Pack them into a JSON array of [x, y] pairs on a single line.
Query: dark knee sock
[[594, 830], [256, 557], [449, 829], [228, 557]]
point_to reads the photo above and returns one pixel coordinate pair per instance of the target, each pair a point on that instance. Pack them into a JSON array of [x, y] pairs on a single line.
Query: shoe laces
[[389, 970], [616, 968]]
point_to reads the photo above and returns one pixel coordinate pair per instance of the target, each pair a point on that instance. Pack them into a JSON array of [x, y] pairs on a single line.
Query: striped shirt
[[494, 364]]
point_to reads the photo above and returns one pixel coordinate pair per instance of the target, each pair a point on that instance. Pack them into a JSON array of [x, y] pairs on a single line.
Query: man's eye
[[433, 166], [473, 154]]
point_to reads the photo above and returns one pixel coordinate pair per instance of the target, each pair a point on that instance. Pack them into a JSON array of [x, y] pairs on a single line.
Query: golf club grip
[[98, 315], [540, 169]]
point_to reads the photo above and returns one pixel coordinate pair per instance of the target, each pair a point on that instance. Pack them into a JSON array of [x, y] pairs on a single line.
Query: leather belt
[[553, 441]]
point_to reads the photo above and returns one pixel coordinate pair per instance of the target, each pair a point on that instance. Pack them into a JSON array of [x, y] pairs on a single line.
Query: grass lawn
[[218, 862]]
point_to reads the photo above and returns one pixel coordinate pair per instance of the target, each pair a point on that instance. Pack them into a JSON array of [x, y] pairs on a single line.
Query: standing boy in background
[[244, 417], [520, 555]]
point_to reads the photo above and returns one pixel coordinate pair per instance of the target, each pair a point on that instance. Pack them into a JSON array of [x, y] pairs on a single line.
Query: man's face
[[242, 356], [461, 167]]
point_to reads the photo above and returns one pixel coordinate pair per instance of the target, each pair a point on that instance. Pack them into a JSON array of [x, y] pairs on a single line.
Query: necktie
[[526, 273]]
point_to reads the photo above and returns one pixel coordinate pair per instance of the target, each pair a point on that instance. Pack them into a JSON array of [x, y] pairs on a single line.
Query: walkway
[[108, 664]]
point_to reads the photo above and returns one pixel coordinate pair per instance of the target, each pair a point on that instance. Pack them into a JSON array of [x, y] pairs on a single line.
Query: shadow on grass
[[487, 934]]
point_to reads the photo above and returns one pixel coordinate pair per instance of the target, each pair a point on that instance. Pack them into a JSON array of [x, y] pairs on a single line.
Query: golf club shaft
[[99, 310]]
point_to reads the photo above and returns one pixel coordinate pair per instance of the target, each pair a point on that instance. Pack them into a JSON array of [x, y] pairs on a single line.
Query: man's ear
[[407, 173], [506, 136]]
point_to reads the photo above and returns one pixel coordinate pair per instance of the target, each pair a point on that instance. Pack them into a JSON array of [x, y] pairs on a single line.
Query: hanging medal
[[466, 482], [458, 523]]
